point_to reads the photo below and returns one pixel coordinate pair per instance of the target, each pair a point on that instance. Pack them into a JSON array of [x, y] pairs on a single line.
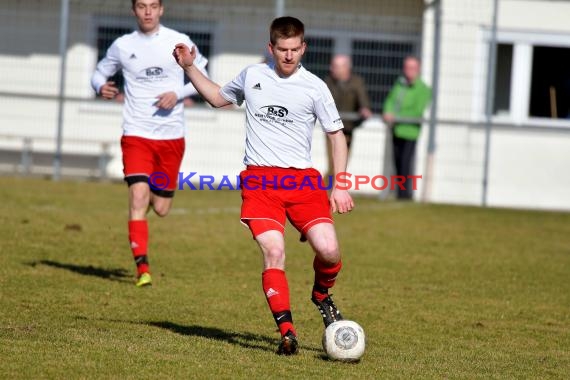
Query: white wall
[[534, 15], [528, 165]]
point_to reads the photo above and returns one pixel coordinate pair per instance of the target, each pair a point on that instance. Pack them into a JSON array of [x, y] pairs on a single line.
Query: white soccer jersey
[[281, 114], [149, 70]]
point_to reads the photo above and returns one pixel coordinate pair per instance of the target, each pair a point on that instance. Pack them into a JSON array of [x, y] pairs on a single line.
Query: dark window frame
[[379, 72]]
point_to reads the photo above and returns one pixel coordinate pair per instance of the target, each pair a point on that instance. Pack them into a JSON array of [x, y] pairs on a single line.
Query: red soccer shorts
[[156, 161], [272, 195]]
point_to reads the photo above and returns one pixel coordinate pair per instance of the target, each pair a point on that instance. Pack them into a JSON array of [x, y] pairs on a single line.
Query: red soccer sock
[[138, 237], [325, 277], [276, 291]]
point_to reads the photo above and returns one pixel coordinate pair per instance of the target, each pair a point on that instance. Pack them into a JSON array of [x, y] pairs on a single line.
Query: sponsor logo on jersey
[[153, 71], [133, 56], [276, 111], [257, 86], [151, 74], [274, 114]]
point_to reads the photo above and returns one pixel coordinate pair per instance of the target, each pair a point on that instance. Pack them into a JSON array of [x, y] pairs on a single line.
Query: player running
[[153, 126], [283, 101]]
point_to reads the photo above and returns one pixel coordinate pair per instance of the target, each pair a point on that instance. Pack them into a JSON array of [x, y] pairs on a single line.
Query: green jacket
[[407, 101]]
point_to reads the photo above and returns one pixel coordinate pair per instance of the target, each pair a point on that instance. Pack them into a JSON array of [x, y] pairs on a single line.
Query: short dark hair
[[414, 57], [286, 27], [133, 2]]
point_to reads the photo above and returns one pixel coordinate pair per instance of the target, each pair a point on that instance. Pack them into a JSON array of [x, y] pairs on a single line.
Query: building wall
[[535, 15], [240, 30], [527, 164]]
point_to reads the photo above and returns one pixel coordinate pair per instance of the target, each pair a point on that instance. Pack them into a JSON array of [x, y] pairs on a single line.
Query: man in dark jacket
[[350, 96]]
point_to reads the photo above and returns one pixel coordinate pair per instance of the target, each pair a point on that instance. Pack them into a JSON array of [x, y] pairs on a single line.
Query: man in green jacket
[[408, 99]]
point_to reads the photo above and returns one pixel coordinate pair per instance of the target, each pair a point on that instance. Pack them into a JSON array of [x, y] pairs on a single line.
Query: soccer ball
[[344, 340]]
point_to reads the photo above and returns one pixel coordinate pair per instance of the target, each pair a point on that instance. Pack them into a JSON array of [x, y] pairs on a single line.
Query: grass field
[[441, 291]]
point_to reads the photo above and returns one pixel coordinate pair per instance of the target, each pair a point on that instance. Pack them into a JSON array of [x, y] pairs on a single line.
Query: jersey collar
[[150, 36], [271, 65]]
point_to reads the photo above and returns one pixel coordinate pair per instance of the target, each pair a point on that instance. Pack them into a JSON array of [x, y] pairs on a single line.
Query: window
[[550, 83], [107, 34], [318, 55], [379, 62], [532, 81], [503, 72]]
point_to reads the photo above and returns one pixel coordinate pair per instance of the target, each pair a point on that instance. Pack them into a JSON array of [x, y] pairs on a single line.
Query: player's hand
[[167, 101], [109, 90], [389, 119], [365, 113], [341, 201], [184, 56]]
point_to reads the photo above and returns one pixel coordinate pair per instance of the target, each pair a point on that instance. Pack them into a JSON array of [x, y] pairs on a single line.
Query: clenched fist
[[184, 56]]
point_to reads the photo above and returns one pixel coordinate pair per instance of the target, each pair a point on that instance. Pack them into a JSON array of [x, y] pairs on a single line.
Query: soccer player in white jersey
[[153, 125], [283, 101]]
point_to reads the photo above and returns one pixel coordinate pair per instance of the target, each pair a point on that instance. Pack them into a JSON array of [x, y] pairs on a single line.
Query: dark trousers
[[404, 151]]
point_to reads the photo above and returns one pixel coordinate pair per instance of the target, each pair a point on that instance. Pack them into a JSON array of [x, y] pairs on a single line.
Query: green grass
[[441, 291]]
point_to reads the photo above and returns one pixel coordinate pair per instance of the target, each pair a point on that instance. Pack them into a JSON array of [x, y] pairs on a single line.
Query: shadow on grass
[[246, 340], [325, 358], [113, 274]]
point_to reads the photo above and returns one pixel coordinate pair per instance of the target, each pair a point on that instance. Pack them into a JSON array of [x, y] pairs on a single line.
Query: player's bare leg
[[160, 205], [323, 240], [276, 288], [272, 247], [327, 265], [139, 201]]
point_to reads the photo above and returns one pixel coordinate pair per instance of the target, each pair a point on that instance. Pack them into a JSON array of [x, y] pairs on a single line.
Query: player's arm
[[209, 90], [389, 107], [168, 100], [327, 113], [341, 200], [200, 62], [106, 68]]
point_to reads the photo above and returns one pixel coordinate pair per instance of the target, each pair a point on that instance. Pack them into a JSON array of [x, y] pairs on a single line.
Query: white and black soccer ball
[[344, 340]]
